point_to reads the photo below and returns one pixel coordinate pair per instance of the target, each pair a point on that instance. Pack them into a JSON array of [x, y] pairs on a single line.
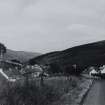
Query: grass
[[52, 91], [15, 94], [62, 84]]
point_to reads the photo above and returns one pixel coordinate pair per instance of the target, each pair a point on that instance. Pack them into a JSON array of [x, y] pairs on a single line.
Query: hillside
[[92, 54], [20, 55]]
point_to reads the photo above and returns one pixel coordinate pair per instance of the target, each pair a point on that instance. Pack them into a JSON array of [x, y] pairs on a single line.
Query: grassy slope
[[20, 55], [70, 90], [83, 55]]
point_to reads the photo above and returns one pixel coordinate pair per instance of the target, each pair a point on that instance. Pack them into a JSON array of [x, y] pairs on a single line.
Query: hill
[[20, 55], [83, 56]]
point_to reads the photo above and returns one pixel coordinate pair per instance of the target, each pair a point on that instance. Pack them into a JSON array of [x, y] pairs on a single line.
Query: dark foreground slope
[[92, 54], [20, 55]]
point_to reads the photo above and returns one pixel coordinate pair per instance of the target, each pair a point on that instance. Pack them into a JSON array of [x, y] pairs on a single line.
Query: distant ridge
[[20, 55], [87, 44], [91, 54]]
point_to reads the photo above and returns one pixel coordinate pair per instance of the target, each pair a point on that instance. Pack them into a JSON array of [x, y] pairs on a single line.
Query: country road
[[96, 95]]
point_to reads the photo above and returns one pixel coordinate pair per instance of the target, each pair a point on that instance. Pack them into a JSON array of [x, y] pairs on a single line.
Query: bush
[[55, 68], [28, 95]]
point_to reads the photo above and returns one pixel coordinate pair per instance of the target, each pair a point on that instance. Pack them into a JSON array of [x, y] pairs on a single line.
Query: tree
[[42, 74], [55, 68], [15, 60], [2, 50]]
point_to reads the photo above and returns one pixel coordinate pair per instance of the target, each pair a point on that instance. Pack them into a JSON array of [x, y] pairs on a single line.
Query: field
[[70, 90], [56, 90]]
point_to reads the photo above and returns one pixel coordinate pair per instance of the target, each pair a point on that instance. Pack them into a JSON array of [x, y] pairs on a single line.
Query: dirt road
[[96, 95]]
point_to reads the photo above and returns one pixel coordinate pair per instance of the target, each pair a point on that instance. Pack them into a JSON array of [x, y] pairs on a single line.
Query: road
[[96, 95]]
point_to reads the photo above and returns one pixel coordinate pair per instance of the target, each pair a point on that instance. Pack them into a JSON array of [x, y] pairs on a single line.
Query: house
[[5, 77], [102, 71], [10, 64], [37, 70], [10, 70], [93, 72]]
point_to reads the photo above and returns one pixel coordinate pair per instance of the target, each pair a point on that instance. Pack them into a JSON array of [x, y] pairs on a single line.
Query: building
[[7, 65]]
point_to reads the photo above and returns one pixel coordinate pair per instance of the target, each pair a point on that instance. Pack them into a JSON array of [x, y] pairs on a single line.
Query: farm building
[[7, 65]]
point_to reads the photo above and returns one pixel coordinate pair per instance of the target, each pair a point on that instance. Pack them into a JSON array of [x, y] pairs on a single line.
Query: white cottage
[[93, 71]]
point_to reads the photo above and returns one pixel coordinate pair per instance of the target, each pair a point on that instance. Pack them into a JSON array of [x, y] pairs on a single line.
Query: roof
[[103, 71], [93, 71], [11, 62]]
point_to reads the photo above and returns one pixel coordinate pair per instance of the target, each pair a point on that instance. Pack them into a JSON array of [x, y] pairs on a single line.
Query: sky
[[49, 25]]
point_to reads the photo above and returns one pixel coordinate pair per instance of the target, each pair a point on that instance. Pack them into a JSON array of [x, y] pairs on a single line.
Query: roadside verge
[[85, 92], [76, 95]]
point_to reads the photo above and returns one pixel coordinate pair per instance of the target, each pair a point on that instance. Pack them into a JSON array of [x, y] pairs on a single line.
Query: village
[[23, 83]]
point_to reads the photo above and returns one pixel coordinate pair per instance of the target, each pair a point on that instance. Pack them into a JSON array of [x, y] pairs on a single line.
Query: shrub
[[28, 95]]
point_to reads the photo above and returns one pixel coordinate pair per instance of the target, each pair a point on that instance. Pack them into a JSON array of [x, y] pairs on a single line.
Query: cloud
[[47, 25]]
